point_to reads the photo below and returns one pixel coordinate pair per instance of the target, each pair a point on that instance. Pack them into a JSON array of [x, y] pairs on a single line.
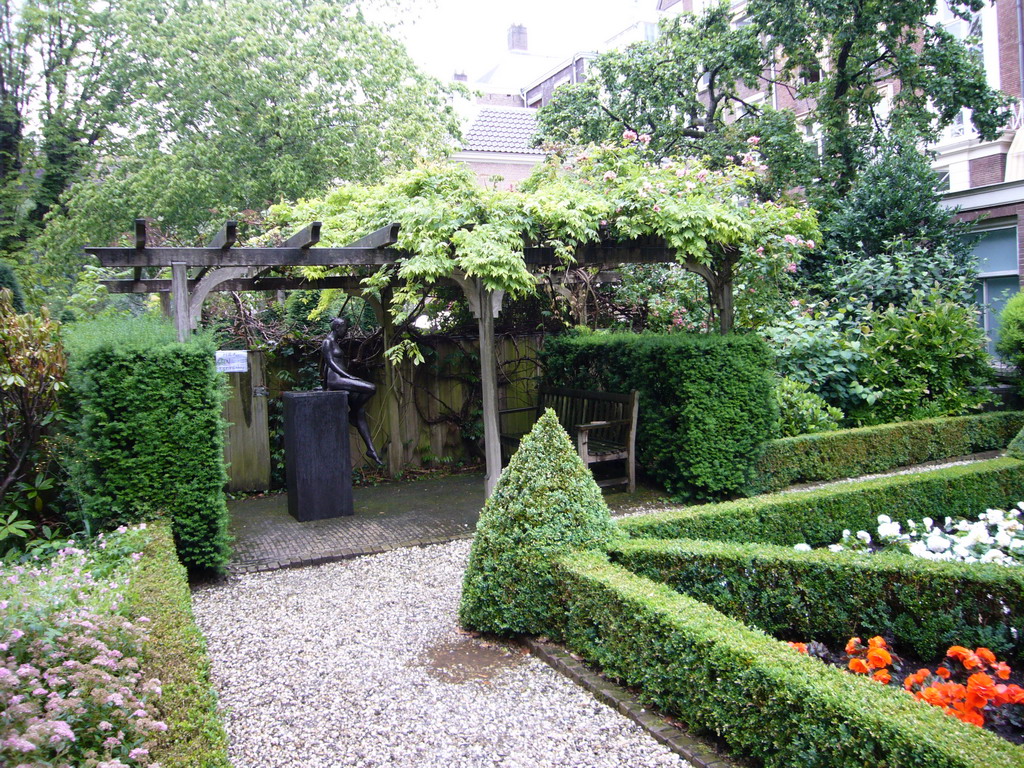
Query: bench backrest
[[576, 406]]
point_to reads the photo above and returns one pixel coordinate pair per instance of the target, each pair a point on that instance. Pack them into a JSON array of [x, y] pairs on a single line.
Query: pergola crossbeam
[[227, 236], [306, 237], [245, 257]]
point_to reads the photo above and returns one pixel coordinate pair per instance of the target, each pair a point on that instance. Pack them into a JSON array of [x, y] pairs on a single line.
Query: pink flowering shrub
[[71, 690]]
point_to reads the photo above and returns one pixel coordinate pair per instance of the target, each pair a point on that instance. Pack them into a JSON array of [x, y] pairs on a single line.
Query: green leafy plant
[[32, 371], [545, 503], [812, 346], [927, 360], [801, 412], [1010, 344]]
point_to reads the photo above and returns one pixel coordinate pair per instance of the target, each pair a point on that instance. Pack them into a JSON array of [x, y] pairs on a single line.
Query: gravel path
[[361, 663]]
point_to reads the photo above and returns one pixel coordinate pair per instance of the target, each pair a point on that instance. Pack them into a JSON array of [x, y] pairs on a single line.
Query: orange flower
[[853, 646], [981, 685], [943, 673], [934, 696], [877, 642], [882, 676], [801, 647], [1002, 670], [957, 652], [879, 657], [985, 655], [859, 666]]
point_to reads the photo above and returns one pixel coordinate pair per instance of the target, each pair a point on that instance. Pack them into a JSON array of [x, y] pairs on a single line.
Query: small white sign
[[232, 361]]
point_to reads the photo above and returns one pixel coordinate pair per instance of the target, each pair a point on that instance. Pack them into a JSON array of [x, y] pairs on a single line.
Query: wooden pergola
[[220, 266]]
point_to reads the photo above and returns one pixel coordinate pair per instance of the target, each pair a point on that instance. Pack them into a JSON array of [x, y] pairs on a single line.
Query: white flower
[[846, 533], [802, 547], [864, 536], [996, 515], [889, 530], [937, 543], [928, 523], [992, 556], [918, 549], [911, 524], [883, 519], [835, 547]]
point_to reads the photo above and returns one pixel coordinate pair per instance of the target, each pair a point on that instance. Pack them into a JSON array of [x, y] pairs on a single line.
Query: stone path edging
[[698, 753]]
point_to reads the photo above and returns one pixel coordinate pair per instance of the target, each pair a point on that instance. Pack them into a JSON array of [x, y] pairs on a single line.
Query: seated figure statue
[[335, 377]]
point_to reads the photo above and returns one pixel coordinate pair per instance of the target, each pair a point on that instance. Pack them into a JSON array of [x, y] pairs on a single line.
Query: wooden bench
[[603, 424]]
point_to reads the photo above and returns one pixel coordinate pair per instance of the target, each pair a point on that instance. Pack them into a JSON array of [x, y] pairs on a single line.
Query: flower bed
[[77, 686], [832, 596], [71, 688], [997, 536], [765, 701]]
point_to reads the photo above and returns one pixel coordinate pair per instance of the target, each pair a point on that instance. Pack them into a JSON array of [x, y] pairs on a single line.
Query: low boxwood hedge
[[765, 700], [176, 654], [924, 606], [852, 452], [818, 517]]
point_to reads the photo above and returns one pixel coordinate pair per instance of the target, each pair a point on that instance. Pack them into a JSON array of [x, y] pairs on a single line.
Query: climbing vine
[[710, 220]]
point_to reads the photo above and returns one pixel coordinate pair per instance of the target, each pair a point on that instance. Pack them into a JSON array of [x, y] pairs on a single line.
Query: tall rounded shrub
[[1010, 344], [546, 503]]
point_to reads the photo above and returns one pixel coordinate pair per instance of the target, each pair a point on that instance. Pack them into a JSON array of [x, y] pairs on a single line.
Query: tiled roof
[[503, 129]]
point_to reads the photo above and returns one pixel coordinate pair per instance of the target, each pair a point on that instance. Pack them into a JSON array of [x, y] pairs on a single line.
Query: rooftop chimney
[[517, 37], [460, 77]]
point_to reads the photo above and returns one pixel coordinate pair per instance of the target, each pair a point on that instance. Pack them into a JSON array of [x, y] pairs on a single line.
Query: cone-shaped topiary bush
[[1016, 446], [546, 503]]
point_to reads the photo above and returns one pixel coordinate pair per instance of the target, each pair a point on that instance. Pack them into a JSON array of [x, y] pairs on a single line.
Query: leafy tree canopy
[[709, 218], [239, 103], [690, 91], [842, 54]]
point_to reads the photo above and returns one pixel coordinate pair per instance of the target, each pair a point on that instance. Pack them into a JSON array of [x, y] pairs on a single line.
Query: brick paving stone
[[387, 516]]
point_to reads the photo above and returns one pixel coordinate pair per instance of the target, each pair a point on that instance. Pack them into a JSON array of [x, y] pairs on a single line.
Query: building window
[[998, 277]]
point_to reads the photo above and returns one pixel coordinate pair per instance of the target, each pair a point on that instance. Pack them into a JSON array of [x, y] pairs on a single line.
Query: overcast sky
[[470, 35]]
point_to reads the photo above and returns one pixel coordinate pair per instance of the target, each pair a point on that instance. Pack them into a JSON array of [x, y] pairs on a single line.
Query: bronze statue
[[335, 378]]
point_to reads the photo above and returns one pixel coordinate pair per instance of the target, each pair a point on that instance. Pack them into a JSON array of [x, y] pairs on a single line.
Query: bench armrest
[[600, 424]]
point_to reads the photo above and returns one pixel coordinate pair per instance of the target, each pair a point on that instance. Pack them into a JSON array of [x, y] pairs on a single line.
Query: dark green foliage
[[9, 280], [765, 700], [895, 202], [924, 606], [819, 517], [150, 434], [924, 361], [867, 450], [801, 411], [1010, 344], [546, 503], [176, 655], [706, 401]]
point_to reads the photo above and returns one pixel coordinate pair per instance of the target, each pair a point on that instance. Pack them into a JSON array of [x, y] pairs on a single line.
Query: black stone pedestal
[[316, 452]]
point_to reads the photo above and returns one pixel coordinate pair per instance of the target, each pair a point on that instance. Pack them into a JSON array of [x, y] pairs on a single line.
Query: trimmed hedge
[[546, 503], [926, 606], [852, 452], [818, 517], [764, 699], [149, 438], [176, 654], [707, 402]]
